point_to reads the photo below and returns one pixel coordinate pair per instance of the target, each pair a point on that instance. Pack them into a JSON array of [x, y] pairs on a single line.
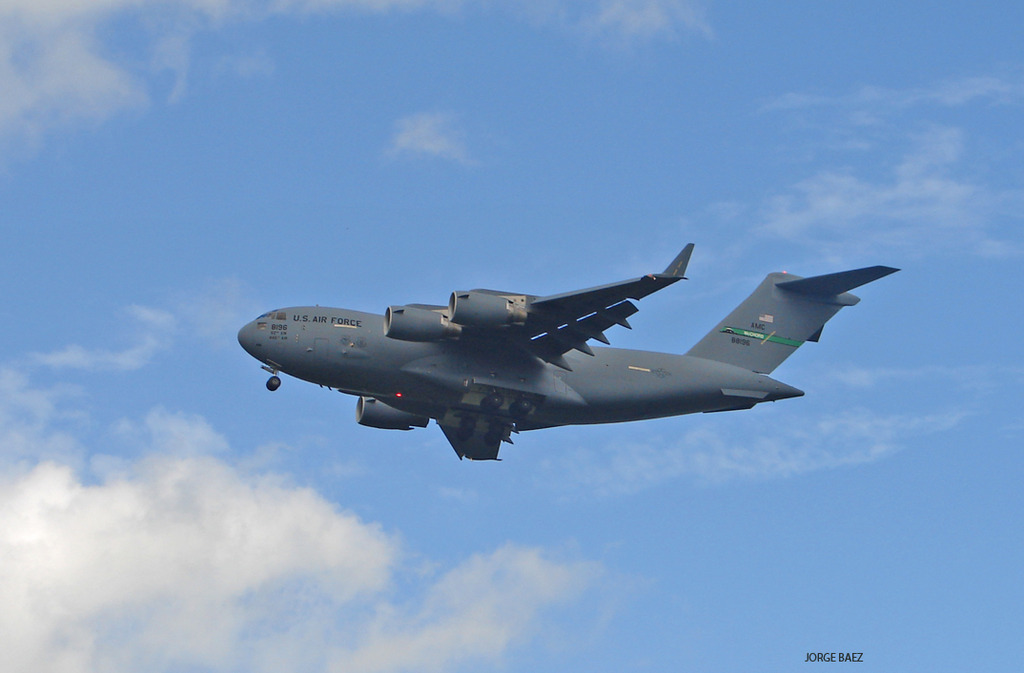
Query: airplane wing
[[559, 323], [547, 327]]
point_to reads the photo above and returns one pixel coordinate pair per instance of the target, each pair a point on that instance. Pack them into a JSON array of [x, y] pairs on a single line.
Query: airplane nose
[[247, 338]]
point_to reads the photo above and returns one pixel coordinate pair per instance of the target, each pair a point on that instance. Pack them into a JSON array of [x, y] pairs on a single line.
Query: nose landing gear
[[274, 382]]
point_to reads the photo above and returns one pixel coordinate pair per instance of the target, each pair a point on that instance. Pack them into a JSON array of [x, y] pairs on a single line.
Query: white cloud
[[958, 92], [430, 134], [32, 423], [213, 312], [246, 66], [155, 333], [53, 75], [181, 561], [619, 22], [961, 91], [971, 379], [473, 613], [185, 562], [906, 184], [783, 442], [216, 310], [59, 65], [748, 448], [174, 434], [632, 20], [921, 206]]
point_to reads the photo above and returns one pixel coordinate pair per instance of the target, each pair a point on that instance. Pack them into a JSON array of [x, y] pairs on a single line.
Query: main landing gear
[[517, 409]]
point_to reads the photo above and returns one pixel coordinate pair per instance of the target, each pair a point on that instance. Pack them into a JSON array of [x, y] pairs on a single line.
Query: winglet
[[677, 268]]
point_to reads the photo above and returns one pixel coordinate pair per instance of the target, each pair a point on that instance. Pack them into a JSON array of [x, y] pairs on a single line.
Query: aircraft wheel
[[520, 408], [273, 383], [492, 402]]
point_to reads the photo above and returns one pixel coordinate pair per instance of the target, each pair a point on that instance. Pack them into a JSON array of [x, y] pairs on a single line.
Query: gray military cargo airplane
[[490, 363]]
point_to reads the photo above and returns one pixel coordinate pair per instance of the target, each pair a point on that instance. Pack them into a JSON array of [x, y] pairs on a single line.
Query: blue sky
[[168, 170]]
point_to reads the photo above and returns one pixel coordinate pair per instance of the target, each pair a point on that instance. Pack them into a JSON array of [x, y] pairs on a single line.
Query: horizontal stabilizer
[[833, 284]]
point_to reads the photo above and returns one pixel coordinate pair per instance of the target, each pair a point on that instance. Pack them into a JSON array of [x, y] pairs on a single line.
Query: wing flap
[[575, 334]]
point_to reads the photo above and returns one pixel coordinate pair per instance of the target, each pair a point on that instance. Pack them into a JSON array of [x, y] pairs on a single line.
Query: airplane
[[491, 364]]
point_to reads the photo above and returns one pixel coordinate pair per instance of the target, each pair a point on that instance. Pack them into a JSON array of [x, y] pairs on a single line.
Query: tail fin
[[781, 314]]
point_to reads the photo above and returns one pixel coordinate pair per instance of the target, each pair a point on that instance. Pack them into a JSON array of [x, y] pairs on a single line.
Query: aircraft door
[[321, 349]]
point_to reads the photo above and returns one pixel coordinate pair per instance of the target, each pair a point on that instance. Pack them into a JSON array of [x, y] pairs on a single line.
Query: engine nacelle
[[373, 413], [409, 323], [480, 309]]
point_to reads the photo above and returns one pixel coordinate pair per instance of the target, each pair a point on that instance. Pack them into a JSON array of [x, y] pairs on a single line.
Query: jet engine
[[481, 309], [408, 323], [373, 413]]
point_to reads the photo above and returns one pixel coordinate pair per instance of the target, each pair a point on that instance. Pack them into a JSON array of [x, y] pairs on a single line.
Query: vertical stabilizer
[[782, 313]]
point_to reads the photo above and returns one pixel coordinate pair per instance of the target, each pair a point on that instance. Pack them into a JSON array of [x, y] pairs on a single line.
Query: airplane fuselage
[[348, 351]]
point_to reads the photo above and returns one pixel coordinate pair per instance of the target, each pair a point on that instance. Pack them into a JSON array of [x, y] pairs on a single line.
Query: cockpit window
[[280, 316]]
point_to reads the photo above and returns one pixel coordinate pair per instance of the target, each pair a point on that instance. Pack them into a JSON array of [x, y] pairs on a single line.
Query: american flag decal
[[766, 317]]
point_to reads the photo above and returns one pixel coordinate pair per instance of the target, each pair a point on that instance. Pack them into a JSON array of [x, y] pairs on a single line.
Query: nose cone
[[247, 340]]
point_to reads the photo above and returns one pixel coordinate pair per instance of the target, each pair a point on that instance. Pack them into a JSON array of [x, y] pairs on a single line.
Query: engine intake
[[481, 309], [408, 323], [373, 413]]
